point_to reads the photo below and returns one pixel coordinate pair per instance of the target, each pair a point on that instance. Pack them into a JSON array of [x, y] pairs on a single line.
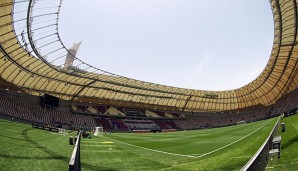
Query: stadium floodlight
[[98, 131]]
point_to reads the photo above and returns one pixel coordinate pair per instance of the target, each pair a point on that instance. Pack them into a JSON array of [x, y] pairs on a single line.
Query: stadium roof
[[32, 58]]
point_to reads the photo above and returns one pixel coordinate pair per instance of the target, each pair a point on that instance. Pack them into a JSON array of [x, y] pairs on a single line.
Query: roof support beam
[[83, 88], [186, 102]]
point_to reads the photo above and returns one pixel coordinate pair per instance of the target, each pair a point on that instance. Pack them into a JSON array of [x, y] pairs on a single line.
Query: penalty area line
[[195, 156], [174, 154], [232, 142]]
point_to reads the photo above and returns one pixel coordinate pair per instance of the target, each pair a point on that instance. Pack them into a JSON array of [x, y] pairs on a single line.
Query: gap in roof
[[208, 45]]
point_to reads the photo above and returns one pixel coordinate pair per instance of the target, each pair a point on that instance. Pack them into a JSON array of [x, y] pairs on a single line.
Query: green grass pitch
[[25, 148], [289, 149], [228, 148]]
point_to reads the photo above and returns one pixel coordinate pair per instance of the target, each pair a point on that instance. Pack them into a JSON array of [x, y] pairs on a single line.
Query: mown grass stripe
[[233, 141], [158, 151], [195, 155]]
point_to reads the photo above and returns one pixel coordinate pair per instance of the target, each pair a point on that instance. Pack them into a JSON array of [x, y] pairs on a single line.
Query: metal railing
[[260, 160], [75, 160]]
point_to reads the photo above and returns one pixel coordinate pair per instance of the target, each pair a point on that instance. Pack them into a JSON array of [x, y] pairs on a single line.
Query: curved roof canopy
[[32, 57]]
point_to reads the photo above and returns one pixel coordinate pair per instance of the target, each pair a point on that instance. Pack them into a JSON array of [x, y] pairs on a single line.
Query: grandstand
[[35, 62]]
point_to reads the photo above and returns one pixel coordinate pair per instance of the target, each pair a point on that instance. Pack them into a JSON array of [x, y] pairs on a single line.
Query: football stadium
[[58, 112]]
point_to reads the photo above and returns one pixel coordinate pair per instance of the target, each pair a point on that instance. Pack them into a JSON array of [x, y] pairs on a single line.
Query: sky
[[196, 44]]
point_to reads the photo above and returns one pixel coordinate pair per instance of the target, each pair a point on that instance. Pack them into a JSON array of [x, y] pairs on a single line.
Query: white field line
[[232, 142], [58, 133], [98, 145], [196, 154], [193, 155], [96, 142], [182, 155]]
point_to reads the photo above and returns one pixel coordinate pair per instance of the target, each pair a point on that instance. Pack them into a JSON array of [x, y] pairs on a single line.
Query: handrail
[[251, 161], [75, 161]]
